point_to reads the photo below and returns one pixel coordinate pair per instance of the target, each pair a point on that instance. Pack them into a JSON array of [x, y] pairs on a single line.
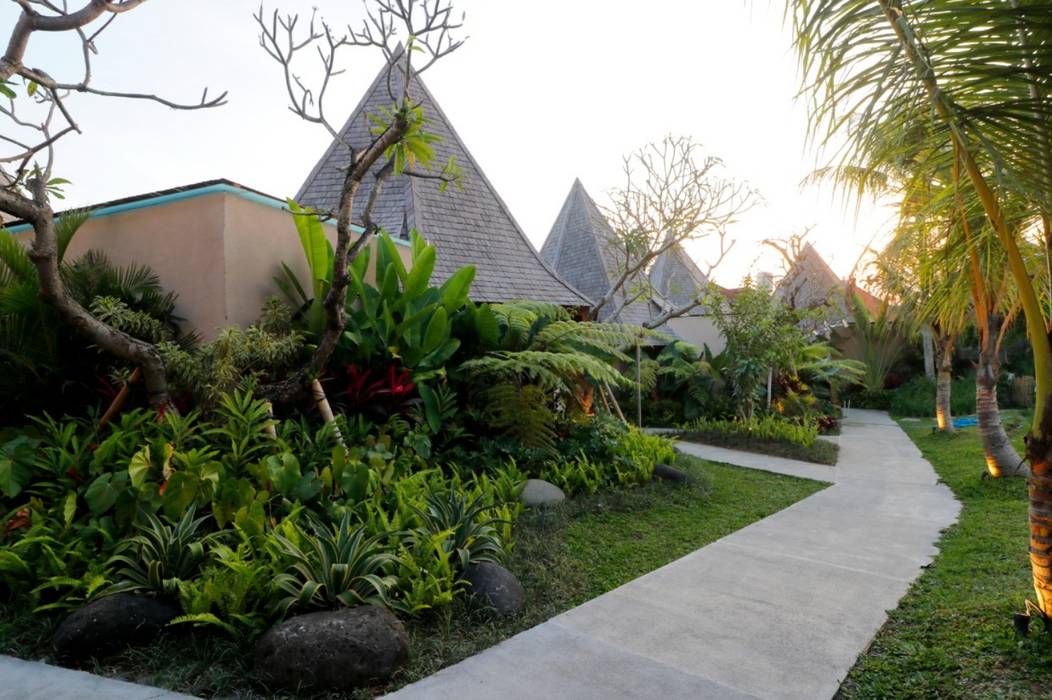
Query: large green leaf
[[104, 491], [455, 289], [437, 332], [180, 492]]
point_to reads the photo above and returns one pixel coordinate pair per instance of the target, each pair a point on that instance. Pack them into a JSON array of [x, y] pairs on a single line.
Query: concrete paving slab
[[31, 680], [780, 609]]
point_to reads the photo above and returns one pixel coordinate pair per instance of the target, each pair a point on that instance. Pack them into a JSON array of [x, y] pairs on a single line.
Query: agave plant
[[472, 537], [160, 556], [338, 566]]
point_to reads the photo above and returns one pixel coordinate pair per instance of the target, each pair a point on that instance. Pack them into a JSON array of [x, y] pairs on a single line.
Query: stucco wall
[[700, 331], [219, 252]]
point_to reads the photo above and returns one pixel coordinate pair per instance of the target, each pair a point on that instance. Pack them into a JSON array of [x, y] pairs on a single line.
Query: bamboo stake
[[120, 398], [613, 400], [322, 402]]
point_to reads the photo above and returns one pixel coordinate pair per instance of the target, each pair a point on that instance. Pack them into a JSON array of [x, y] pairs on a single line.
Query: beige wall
[[700, 331], [219, 252]]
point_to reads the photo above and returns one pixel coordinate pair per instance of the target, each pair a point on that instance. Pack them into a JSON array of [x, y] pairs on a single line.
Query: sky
[[542, 92]]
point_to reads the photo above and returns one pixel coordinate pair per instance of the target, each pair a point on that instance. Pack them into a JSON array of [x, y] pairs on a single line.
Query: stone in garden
[[668, 473], [495, 587], [538, 493], [338, 650], [110, 624]]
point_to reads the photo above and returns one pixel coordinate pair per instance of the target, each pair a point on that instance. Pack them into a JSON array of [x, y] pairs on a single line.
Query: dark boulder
[[667, 473], [337, 650], [110, 624], [495, 587]]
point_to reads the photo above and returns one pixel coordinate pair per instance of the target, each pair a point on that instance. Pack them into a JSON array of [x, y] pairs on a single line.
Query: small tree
[[33, 123], [400, 140], [762, 336], [672, 194]]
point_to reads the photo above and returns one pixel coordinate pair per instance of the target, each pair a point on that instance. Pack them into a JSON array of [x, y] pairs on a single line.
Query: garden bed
[[952, 635], [563, 557], [819, 452]]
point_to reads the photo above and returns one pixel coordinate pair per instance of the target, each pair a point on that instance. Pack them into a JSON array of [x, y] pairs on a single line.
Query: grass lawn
[[952, 637], [563, 557], [821, 452]]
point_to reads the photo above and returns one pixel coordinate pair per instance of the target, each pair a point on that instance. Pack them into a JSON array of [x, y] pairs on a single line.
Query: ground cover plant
[[563, 557], [952, 634], [767, 434]]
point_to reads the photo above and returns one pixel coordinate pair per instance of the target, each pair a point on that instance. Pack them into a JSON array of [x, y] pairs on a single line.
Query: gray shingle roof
[[811, 282], [676, 277], [470, 225], [581, 248]]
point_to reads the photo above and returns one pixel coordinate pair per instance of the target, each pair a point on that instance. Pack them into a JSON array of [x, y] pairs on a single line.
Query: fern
[[522, 413]]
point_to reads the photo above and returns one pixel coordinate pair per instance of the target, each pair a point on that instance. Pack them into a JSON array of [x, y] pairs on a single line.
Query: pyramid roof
[[469, 224]]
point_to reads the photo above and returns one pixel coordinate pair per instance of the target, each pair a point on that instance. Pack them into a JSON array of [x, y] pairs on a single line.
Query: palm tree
[[985, 94]]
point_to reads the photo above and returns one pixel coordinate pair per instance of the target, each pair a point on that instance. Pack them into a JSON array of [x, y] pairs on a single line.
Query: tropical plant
[[44, 363], [762, 337], [467, 530], [160, 556], [332, 566], [539, 343], [403, 319]]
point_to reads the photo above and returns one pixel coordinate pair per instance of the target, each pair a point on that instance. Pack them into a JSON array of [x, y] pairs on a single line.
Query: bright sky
[[542, 92]]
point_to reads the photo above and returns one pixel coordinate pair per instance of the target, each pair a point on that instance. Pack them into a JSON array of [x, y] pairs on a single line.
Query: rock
[[667, 473], [495, 587], [337, 650], [538, 493], [110, 624]]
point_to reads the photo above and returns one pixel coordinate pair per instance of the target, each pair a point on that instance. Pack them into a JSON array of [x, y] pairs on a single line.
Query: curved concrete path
[[779, 609]]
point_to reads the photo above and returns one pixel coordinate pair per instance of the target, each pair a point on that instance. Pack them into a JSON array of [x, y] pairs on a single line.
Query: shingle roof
[[469, 225], [581, 249], [811, 282], [676, 277]]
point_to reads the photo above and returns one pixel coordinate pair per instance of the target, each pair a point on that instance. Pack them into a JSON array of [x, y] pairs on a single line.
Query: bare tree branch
[[672, 194]]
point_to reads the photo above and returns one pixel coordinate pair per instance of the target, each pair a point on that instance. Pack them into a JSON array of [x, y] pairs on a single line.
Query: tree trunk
[[943, 414], [1001, 457], [1039, 488], [929, 352], [44, 255]]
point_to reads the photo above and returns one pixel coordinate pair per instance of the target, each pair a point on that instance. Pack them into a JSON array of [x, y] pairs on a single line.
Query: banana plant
[[319, 255]]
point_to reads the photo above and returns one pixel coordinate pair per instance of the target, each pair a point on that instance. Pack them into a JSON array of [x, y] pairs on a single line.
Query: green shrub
[[917, 397], [768, 428]]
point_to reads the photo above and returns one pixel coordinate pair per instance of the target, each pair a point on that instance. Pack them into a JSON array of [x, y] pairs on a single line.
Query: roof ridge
[[493, 190]]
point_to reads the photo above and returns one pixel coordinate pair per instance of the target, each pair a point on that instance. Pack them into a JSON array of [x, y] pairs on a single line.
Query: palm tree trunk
[[1001, 457], [1039, 448], [928, 346], [943, 382]]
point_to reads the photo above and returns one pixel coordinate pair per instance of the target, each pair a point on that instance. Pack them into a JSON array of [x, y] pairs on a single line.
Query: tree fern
[[523, 414]]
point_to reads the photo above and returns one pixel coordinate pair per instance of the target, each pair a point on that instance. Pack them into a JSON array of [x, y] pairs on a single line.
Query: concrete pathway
[[779, 609], [31, 680]]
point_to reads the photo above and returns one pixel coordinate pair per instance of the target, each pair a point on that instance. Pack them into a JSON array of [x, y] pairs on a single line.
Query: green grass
[[952, 636], [563, 557], [820, 452]]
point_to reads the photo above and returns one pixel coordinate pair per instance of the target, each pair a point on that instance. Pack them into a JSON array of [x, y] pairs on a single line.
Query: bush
[[768, 435], [917, 397], [760, 428]]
